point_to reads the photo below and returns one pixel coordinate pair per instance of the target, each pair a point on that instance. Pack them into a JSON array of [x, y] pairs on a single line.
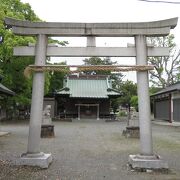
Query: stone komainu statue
[[46, 118]]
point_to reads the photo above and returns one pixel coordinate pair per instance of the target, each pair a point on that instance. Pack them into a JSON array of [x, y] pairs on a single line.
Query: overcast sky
[[104, 11]]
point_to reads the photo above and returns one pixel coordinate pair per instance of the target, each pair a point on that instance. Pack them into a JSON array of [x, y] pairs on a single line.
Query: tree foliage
[[153, 90], [134, 102], [98, 61], [11, 67], [116, 78], [56, 80], [128, 90], [165, 72]]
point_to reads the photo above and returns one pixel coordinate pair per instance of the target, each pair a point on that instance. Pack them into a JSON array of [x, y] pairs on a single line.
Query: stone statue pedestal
[[131, 132], [47, 131], [142, 162], [41, 160], [47, 128]]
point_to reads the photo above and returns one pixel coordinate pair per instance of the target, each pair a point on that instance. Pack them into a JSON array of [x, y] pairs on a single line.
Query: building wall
[[2, 113], [176, 106], [176, 110], [70, 107], [168, 108], [162, 109]]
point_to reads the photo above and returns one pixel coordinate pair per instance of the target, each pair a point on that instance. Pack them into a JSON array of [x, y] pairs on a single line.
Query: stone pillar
[[170, 108], [79, 112], [146, 159], [37, 97], [143, 98], [98, 112], [91, 41], [34, 157]]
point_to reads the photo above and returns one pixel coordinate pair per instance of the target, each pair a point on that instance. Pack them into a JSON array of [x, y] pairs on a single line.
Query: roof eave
[[6, 91], [164, 92]]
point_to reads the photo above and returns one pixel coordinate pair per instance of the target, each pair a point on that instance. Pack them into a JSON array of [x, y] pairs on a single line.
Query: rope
[[79, 68]]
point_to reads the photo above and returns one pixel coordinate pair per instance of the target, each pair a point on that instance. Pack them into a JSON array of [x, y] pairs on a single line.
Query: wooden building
[[85, 96], [4, 91], [166, 103]]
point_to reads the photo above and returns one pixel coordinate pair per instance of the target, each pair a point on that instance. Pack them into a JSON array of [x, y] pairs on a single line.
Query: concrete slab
[[41, 160], [147, 162]]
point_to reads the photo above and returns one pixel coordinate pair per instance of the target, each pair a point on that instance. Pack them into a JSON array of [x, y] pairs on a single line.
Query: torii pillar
[[140, 30], [34, 157], [146, 159]]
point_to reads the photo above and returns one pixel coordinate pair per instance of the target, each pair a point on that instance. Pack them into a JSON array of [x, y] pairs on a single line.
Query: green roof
[[88, 88]]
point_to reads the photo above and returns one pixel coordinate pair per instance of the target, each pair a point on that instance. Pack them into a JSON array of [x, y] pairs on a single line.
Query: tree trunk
[[129, 114]]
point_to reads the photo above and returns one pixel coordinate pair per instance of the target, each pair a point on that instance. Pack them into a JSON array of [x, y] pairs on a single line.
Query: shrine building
[[85, 96]]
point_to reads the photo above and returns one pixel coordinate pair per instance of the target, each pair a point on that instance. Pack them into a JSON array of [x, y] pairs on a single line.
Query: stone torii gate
[[146, 157]]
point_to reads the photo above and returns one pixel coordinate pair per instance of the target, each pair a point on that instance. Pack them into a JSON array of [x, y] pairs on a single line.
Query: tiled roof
[[174, 87], [88, 88], [5, 90]]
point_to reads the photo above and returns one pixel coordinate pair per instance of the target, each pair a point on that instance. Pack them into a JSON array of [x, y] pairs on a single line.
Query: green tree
[[56, 79], [116, 78], [165, 72], [134, 102], [128, 90], [98, 61], [153, 90], [11, 67]]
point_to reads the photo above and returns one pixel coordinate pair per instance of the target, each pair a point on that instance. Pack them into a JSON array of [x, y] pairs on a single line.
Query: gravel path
[[87, 150]]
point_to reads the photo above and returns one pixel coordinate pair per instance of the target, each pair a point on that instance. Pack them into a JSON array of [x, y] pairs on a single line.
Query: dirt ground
[[92, 150]]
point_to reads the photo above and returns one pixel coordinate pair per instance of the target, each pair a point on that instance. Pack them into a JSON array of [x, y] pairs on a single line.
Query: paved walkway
[[93, 150], [165, 123]]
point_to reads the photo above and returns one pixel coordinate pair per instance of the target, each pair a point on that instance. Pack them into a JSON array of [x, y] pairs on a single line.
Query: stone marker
[[47, 128]]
